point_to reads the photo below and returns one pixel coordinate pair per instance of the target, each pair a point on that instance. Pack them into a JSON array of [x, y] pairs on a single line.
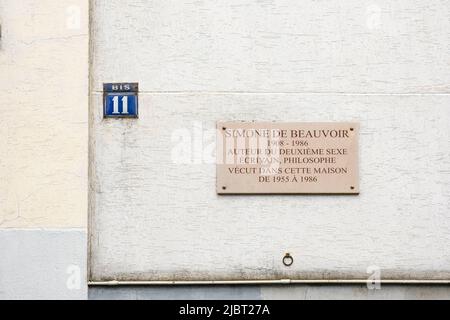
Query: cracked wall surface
[[44, 136], [387, 68], [157, 218], [44, 85]]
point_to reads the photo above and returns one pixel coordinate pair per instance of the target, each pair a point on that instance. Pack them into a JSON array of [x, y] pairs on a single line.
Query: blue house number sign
[[120, 100]]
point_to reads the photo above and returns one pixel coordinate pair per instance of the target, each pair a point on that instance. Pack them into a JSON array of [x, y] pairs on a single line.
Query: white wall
[[382, 64], [43, 146]]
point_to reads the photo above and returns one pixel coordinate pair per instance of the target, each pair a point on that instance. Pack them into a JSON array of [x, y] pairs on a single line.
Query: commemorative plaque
[[287, 158]]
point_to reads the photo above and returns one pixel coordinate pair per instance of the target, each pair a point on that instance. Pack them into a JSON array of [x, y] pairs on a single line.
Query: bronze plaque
[[287, 158]]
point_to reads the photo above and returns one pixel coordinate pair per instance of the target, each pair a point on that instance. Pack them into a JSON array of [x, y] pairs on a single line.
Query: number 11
[[124, 105]]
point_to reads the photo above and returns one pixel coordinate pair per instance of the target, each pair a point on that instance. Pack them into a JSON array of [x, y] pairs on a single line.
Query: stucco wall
[[43, 145], [381, 63], [156, 216]]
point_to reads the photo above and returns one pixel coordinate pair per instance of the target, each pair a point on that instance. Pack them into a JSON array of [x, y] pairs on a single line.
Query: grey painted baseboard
[[43, 264], [297, 292]]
